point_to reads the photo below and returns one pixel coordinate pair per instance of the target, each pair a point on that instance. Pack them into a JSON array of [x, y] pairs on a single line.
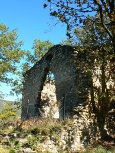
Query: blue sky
[[32, 21]]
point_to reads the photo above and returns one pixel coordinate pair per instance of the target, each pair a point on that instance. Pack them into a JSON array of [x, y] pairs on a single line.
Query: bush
[[99, 149], [7, 112]]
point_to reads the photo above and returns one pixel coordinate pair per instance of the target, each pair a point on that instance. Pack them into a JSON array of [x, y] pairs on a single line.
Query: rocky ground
[[51, 136]]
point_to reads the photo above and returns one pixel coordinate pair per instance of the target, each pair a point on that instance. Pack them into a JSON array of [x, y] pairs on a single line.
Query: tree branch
[[104, 4], [102, 20]]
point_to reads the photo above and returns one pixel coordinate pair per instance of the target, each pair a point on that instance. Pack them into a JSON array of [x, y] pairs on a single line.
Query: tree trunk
[[103, 101]]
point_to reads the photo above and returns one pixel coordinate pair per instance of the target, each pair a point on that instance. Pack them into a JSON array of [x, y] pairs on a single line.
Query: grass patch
[[36, 130], [100, 149]]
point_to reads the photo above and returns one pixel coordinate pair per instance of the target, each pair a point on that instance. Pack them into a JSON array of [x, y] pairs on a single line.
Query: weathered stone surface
[[49, 108], [28, 150], [60, 60]]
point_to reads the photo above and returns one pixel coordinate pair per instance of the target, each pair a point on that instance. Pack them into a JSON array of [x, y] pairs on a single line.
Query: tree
[[68, 42], [91, 24], [10, 53], [1, 95], [96, 47], [40, 49], [75, 12], [11, 64], [7, 112]]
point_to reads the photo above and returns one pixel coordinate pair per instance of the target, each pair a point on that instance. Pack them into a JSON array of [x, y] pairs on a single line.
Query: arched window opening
[[48, 101]]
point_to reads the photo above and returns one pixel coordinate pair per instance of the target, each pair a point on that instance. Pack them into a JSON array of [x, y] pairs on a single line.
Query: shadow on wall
[[47, 100], [59, 64]]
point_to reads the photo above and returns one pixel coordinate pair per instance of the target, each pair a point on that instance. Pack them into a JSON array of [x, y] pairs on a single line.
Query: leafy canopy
[[10, 53], [75, 12], [40, 49], [7, 112], [14, 61]]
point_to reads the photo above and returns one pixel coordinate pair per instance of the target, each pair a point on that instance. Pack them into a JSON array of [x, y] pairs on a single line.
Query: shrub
[[7, 112]]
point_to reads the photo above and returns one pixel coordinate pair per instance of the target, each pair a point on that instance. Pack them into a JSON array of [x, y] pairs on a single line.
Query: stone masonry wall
[[60, 61]]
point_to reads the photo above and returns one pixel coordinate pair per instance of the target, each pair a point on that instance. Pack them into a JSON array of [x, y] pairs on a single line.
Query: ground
[[43, 135]]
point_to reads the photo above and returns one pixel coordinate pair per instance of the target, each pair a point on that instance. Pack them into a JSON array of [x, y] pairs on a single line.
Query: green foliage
[[11, 56], [99, 149], [1, 95], [67, 42], [32, 136], [32, 142], [74, 13], [14, 61], [40, 49], [11, 150], [10, 53], [90, 25], [7, 112]]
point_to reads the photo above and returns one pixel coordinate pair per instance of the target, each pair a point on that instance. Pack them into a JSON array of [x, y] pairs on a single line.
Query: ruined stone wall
[[73, 88], [60, 61]]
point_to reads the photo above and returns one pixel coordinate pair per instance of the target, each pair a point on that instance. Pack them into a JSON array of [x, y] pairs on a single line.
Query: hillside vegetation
[[44, 135]]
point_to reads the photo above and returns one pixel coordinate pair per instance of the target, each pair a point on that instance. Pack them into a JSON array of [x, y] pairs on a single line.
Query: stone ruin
[[64, 92], [58, 86]]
